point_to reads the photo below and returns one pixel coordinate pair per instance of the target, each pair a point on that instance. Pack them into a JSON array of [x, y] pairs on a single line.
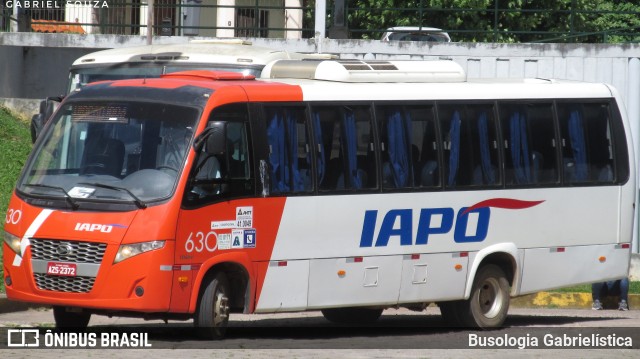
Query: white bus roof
[[194, 52], [321, 80], [313, 90]]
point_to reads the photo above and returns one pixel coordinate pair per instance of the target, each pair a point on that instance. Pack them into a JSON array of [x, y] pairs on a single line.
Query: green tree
[[502, 20]]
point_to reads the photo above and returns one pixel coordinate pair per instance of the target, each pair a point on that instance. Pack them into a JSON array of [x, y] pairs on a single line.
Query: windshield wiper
[[136, 200], [72, 202]]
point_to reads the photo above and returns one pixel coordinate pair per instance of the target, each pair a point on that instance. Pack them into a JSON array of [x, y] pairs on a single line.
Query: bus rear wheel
[[489, 302], [352, 315], [212, 315], [70, 319]]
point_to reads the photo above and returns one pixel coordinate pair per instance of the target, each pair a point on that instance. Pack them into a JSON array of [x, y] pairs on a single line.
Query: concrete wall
[[36, 72], [589, 62]]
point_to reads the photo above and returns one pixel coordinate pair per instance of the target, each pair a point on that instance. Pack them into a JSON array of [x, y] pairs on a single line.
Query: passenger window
[[528, 132], [424, 139], [289, 150], [408, 147], [470, 145], [586, 143], [345, 154]]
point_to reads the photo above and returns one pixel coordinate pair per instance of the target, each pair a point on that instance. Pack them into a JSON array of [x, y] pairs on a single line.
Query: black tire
[[449, 312], [69, 319], [352, 315], [212, 315], [489, 302]]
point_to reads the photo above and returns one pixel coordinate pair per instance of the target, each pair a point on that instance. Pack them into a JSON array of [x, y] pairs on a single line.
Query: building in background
[[211, 18]]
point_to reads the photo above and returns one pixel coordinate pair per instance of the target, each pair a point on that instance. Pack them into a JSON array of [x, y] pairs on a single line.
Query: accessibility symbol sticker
[[237, 238]]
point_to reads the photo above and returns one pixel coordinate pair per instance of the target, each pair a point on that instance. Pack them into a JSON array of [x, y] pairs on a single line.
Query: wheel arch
[[504, 255], [237, 268]]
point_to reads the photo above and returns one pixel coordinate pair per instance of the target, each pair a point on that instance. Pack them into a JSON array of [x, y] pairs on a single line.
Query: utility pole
[[149, 22]]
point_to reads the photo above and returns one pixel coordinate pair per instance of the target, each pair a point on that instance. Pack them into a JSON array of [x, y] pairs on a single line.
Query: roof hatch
[[208, 75]]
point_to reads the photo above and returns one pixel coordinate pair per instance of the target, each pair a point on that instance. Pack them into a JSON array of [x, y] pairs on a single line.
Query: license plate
[[61, 269]]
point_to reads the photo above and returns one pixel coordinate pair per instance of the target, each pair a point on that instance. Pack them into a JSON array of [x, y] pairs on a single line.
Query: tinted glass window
[[470, 145], [346, 159], [289, 150], [528, 132], [587, 152], [408, 146], [225, 172]]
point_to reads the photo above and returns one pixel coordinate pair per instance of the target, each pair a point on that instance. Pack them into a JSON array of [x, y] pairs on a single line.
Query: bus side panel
[[547, 268], [439, 276], [208, 235], [355, 281], [284, 287]]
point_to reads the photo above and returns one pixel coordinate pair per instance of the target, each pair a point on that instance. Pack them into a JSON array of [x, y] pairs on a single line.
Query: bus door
[[213, 219]]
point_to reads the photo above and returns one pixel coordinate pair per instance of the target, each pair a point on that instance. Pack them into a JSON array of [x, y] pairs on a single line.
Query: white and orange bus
[[341, 186]]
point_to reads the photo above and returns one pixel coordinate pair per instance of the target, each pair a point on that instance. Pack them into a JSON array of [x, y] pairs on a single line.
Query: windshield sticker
[[81, 192], [100, 113]]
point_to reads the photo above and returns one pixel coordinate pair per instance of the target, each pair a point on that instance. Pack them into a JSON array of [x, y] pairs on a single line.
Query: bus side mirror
[[47, 107], [213, 138], [216, 139]]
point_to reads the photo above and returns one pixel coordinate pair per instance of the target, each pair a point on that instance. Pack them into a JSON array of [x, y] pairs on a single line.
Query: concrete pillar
[[226, 17], [293, 19], [321, 12]]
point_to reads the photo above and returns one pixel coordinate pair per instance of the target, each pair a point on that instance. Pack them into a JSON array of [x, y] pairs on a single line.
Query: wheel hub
[[221, 309]]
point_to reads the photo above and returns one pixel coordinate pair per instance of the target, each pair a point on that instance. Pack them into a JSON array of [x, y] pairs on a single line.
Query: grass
[[634, 288], [15, 144]]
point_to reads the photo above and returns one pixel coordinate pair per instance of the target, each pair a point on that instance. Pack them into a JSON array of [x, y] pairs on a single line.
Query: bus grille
[[67, 251], [64, 284]]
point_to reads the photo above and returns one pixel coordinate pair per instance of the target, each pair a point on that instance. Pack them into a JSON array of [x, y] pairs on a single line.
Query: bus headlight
[[127, 251], [13, 242]]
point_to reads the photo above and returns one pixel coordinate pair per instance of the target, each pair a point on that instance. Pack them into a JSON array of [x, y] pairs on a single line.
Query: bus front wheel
[[489, 302], [70, 319], [212, 315]]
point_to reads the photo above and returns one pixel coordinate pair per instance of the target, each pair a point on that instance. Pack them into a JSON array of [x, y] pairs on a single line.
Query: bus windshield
[[106, 151], [79, 77]]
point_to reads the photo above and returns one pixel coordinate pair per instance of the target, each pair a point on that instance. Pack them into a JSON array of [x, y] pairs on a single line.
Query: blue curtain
[[485, 150], [292, 130], [578, 146], [350, 138], [520, 148], [398, 154], [320, 160], [454, 150], [277, 155]]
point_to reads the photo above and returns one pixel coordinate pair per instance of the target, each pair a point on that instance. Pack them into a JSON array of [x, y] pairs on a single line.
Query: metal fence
[[567, 22], [256, 18]]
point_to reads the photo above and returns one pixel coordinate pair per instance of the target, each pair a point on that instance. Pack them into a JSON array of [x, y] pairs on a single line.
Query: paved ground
[[283, 331], [535, 313]]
